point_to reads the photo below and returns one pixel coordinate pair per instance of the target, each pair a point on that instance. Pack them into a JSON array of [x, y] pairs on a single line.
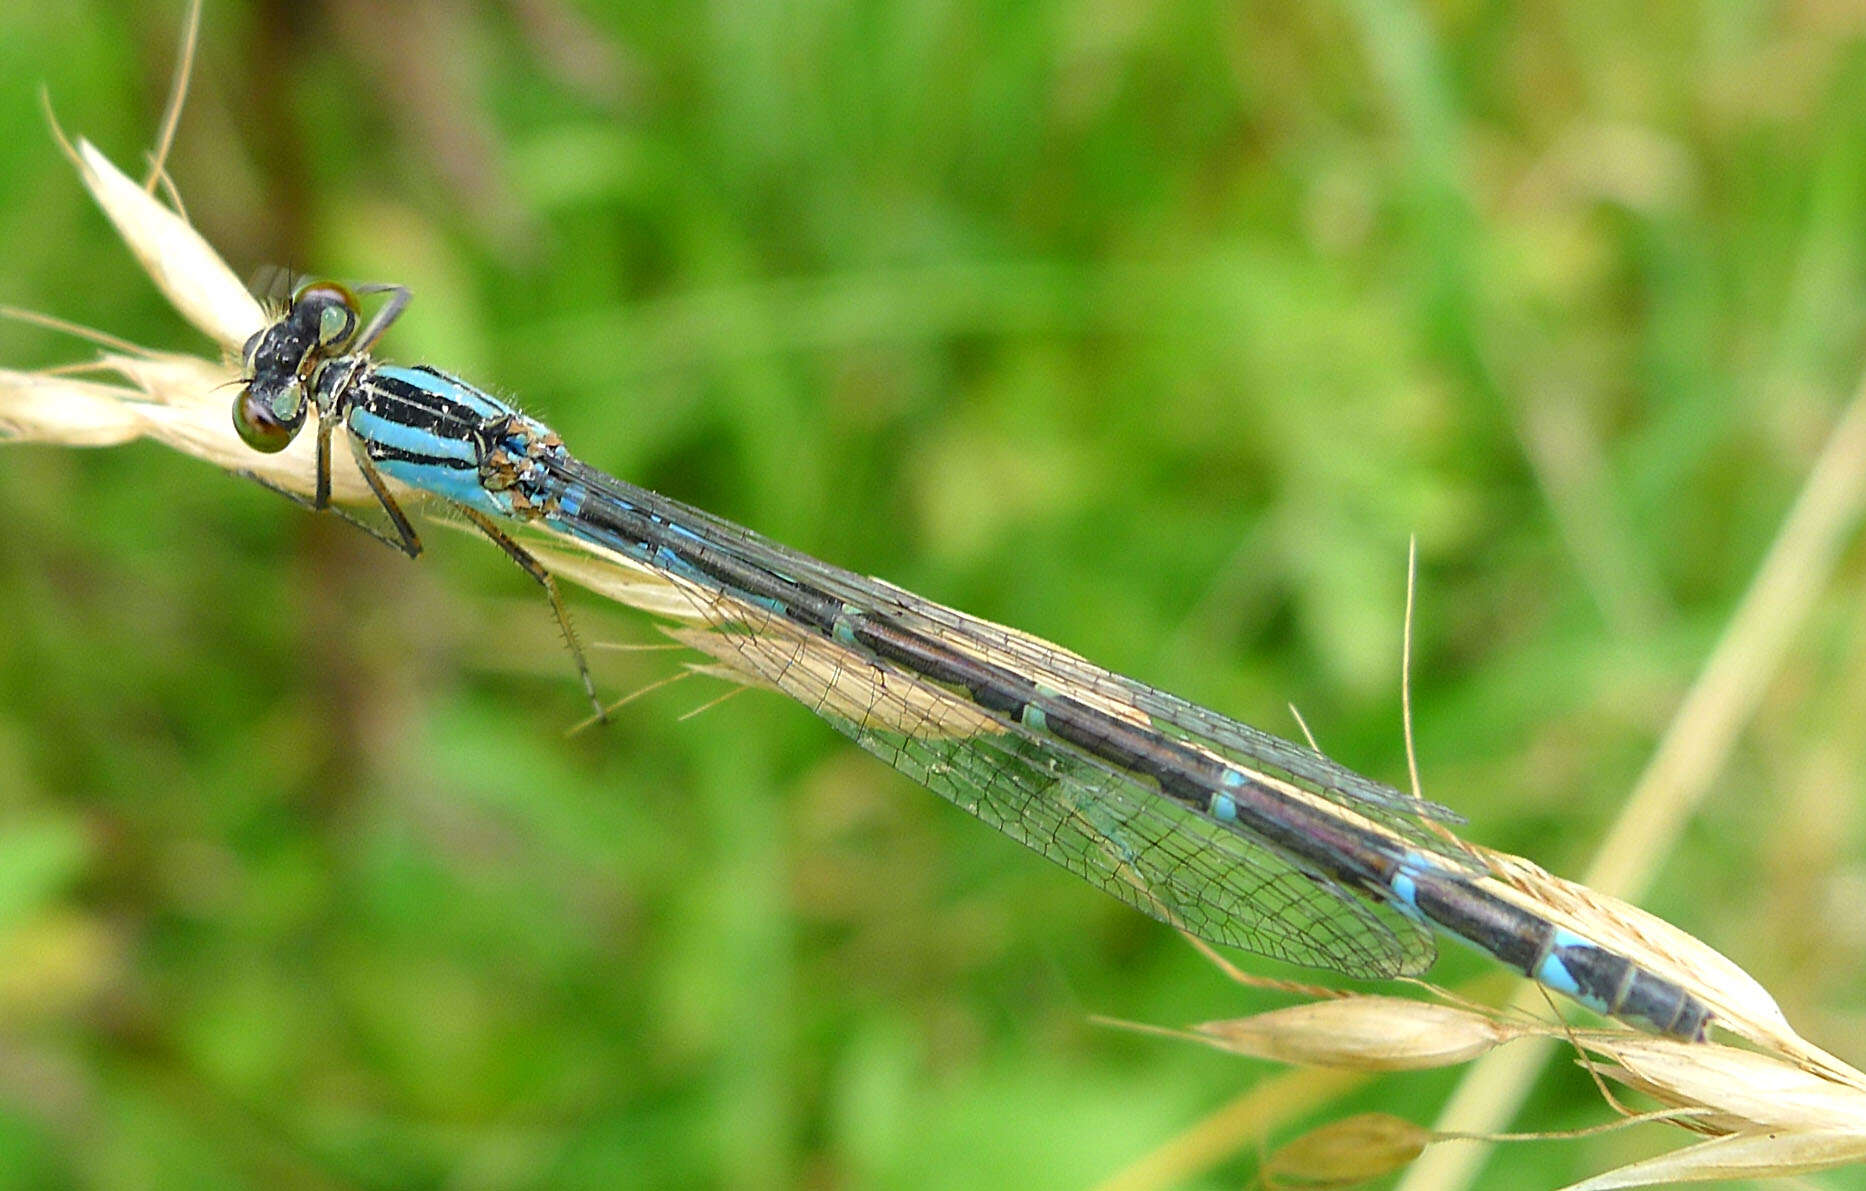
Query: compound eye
[[335, 325], [334, 311], [269, 425]]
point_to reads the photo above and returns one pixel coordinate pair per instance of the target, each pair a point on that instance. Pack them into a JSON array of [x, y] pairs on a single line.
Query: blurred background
[[1154, 328]]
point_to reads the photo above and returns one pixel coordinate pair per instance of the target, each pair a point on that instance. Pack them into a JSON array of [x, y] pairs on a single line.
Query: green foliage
[[1155, 329]]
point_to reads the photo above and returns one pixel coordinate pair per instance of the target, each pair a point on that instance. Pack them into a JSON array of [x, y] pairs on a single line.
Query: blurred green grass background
[[1152, 328]]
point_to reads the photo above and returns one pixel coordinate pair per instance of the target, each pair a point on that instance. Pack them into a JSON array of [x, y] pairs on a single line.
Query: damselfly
[[1236, 835]]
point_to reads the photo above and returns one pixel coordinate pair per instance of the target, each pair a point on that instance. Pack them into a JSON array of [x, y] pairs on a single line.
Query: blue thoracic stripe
[[382, 434], [458, 484]]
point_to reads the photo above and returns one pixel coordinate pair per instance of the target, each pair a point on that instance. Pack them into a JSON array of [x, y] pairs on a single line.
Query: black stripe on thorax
[[426, 409]]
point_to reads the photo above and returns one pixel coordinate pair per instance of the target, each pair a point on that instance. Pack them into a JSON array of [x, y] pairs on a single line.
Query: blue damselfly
[[1236, 835]]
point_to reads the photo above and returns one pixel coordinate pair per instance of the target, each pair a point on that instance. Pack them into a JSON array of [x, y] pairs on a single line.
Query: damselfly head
[[279, 360]]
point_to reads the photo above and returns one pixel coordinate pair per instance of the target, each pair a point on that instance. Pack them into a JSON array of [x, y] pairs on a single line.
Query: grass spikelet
[[184, 266], [1345, 1153], [65, 410], [1746, 1087], [1760, 1155], [1367, 1033]]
